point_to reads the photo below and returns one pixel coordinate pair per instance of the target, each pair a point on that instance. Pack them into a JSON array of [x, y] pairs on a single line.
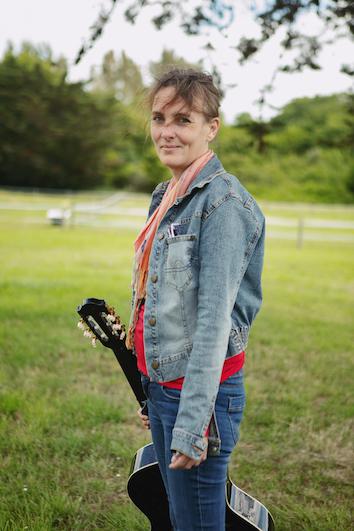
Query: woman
[[197, 289]]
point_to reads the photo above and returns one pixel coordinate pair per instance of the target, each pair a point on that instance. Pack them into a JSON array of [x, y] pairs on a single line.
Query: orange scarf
[[143, 243]]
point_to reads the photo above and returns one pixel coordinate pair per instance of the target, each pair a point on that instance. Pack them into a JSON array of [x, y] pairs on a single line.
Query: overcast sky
[[64, 25]]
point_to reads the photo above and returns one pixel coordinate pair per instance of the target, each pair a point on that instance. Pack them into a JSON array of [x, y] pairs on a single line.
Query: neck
[[177, 172]]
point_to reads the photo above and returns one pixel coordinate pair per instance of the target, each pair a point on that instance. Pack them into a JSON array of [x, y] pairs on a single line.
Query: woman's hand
[[183, 462], [144, 419]]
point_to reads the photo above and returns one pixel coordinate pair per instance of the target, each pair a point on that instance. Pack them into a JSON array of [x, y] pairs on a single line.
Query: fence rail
[[110, 212]]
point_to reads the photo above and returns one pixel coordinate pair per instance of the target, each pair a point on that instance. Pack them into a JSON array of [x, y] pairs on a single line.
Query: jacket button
[[154, 278], [160, 235], [152, 321], [155, 364]]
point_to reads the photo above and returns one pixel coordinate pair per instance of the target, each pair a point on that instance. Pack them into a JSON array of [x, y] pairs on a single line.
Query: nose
[[168, 131]]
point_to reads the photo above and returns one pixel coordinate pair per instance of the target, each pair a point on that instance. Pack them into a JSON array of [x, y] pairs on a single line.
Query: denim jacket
[[203, 292]]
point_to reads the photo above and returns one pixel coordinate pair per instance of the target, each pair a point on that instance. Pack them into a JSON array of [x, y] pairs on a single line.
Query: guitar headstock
[[100, 321]]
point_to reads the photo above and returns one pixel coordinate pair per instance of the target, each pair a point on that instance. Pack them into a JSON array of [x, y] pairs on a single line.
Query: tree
[[306, 155], [298, 49], [307, 123], [130, 84], [168, 59], [104, 78], [337, 17], [52, 133], [257, 130], [119, 77]]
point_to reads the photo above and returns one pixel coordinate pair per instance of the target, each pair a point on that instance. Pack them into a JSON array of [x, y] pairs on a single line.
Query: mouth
[[169, 147]]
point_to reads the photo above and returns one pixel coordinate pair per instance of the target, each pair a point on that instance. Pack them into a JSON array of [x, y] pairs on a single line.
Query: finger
[[191, 463], [186, 463], [142, 417], [180, 461], [175, 456], [177, 460]]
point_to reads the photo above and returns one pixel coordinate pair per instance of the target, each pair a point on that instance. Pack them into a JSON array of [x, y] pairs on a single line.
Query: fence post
[[72, 213], [300, 233]]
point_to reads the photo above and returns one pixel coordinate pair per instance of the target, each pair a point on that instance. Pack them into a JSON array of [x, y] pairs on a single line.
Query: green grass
[[68, 428]]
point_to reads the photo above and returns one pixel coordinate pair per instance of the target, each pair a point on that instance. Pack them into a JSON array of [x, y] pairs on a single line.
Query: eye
[[157, 118], [184, 120]]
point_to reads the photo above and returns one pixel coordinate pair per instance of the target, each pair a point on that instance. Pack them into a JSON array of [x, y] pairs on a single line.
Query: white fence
[[110, 212], [301, 229]]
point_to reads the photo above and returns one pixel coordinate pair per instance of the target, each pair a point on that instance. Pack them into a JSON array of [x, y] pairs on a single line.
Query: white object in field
[[58, 216]]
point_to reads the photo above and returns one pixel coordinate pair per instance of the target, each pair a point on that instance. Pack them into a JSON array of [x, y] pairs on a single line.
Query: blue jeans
[[196, 496]]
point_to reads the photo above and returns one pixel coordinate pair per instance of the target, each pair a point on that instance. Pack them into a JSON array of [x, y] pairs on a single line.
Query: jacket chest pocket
[[179, 261]]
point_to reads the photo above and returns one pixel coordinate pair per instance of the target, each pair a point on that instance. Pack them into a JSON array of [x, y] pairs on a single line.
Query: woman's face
[[180, 135]]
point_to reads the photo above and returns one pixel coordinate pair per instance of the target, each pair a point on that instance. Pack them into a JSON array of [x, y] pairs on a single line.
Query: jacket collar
[[212, 168], [207, 174]]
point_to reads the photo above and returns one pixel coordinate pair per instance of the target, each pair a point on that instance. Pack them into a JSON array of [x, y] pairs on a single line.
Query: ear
[[214, 126]]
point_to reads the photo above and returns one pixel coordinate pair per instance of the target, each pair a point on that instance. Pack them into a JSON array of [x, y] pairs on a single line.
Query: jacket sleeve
[[229, 238]]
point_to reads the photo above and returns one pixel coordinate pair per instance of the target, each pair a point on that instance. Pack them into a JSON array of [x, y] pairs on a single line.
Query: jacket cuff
[[187, 443]]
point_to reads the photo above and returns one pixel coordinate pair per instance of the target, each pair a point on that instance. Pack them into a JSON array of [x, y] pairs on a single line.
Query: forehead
[[164, 102]]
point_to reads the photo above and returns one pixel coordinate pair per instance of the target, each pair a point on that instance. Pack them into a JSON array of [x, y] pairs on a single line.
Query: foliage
[[298, 48], [302, 153], [323, 120], [131, 161], [64, 135], [120, 78], [336, 16], [56, 134], [52, 133], [167, 60]]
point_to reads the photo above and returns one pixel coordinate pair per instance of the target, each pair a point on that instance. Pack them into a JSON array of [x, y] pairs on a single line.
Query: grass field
[[68, 428]]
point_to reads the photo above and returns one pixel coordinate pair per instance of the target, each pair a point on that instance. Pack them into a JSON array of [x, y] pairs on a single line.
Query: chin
[[170, 160]]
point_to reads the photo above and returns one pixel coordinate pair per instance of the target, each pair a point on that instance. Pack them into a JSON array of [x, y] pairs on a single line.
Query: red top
[[231, 365]]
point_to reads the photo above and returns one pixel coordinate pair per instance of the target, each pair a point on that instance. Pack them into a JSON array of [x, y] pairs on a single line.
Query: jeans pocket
[[170, 393], [145, 385], [229, 406], [235, 412]]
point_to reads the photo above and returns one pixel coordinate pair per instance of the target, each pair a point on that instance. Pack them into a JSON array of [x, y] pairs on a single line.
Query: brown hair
[[192, 86]]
